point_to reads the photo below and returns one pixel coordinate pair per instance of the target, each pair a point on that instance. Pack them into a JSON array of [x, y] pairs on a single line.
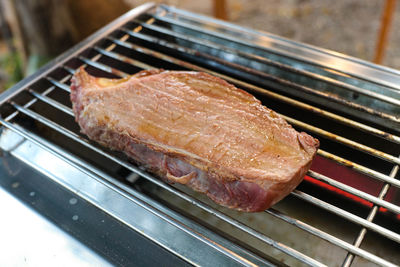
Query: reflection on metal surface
[[41, 243]]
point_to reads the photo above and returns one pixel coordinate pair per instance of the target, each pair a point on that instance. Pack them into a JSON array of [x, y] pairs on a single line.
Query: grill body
[[347, 205]]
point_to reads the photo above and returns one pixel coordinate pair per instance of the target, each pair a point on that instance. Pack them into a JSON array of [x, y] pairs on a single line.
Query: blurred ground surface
[[346, 26]]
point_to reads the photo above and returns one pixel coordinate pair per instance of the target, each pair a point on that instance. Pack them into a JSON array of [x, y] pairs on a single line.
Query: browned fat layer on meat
[[196, 129]]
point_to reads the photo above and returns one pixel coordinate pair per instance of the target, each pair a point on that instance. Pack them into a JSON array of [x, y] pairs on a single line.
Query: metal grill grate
[[353, 113]]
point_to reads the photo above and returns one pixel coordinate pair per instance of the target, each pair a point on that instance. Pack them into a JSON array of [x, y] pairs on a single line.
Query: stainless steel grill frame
[[365, 99]]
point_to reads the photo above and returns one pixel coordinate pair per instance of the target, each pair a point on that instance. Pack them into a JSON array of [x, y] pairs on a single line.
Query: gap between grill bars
[[365, 223]]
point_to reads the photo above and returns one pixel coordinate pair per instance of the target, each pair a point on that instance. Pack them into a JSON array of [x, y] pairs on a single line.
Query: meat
[[196, 129]]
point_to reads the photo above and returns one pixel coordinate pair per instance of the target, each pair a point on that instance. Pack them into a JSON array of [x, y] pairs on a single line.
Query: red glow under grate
[[351, 178], [339, 191]]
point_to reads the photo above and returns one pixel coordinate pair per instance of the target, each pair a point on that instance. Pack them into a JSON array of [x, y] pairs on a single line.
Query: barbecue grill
[[346, 211]]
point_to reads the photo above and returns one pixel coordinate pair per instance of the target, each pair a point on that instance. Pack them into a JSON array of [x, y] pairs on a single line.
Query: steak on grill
[[196, 129]]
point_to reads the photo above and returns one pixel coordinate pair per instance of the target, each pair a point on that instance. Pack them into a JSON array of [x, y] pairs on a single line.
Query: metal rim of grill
[[140, 31]]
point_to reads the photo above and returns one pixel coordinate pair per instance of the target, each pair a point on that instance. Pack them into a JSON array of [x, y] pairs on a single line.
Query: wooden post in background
[[46, 25], [219, 9], [387, 17]]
